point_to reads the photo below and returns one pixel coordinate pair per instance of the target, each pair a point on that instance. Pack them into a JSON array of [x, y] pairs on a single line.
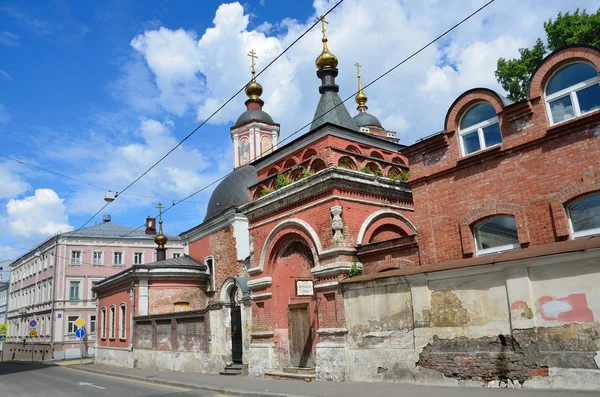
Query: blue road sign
[[33, 324], [80, 333], [3, 338]]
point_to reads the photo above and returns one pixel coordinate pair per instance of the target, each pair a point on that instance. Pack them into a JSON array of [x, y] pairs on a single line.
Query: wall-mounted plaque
[[304, 288]]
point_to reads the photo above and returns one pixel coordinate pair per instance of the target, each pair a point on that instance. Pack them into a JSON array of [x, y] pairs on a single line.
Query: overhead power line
[[204, 122], [87, 183], [323, 115]]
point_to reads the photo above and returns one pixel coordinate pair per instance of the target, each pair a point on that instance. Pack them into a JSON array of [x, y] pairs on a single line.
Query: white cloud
[[180, 174], [5, 75], [172, 56], [11, 183], [4, 115], [9, 39], [377, 33], [40, 215]]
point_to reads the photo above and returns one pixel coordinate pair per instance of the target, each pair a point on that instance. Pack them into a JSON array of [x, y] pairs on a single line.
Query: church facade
[[325, 258]]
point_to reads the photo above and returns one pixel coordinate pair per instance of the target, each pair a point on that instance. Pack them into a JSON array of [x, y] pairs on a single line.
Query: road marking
[[131, 380], [91, 385]]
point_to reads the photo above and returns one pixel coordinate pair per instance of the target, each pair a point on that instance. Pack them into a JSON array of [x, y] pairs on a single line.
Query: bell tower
[[254, 134]]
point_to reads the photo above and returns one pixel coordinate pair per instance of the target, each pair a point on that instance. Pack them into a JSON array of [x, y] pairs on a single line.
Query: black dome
[[254, 115], [366, 120], [231, 191]]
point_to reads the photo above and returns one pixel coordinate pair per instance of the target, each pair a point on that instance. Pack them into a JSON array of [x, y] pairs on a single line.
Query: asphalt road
[[19, 380]]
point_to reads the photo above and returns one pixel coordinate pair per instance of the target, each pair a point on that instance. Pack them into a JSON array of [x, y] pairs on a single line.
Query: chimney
[[151, 226], [106, 218]]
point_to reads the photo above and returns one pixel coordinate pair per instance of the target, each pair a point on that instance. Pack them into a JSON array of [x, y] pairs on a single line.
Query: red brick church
[[322, 259]]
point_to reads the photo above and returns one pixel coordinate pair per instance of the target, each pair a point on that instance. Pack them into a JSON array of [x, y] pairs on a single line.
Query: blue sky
[[99, 90]]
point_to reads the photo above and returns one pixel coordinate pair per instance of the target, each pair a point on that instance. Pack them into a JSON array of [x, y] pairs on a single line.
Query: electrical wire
[[308, 124]]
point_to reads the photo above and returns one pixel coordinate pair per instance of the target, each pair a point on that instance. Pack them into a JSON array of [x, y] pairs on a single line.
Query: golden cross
[[357, 69], [252, 55], [323, 22]]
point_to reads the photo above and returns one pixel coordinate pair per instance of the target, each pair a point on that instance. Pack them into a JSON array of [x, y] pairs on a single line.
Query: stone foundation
[[156, 360], [263, 357], [114, 356]]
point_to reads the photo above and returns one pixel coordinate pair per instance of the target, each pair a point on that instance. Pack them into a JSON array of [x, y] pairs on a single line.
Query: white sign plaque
[[304, 288]]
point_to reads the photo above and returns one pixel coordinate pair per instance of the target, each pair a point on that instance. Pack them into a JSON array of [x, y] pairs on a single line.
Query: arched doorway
[[237, 345], [294, 300]]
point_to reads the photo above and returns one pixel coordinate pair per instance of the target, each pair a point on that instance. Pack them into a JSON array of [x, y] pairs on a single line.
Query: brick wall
[[525, 177], [187, 332]]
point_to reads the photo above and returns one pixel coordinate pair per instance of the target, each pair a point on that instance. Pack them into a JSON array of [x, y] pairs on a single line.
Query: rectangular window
[[75, 258], [117, 258], [176, 254], [123, 322], [97, 258], [112, 322], [103, 322], [92, 326], [138, 258], [74, 290], [71, 327]]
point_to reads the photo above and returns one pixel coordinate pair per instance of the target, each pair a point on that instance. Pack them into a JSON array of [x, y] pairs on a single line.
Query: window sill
[[97, 265], [118, 265], [478, 156], [571, 123], [123, 339]]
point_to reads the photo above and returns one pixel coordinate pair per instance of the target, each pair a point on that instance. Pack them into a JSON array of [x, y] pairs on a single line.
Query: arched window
[[572, 91], [122, 321], [113, 320], [584, 215], [479, 128], [496, 234], [103, 323]]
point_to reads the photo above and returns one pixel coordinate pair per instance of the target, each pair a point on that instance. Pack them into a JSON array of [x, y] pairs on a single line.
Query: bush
[[368, 170], [400, 176], [281, 181], [354, 270], [266, 191]]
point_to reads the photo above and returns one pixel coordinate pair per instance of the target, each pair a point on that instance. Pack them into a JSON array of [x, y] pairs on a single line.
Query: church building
[[324, 258]]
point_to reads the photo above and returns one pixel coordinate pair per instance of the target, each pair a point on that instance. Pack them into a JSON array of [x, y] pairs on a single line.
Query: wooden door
[[300, 337]]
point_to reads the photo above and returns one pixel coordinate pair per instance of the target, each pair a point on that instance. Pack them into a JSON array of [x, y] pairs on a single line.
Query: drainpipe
[[53, 299]]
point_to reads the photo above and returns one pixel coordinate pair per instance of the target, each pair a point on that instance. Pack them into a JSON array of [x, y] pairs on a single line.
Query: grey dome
[[231, 191], [366, 120], [254, 115]]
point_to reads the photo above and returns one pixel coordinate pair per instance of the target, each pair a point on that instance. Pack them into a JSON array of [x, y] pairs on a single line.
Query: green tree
[[575, 28]]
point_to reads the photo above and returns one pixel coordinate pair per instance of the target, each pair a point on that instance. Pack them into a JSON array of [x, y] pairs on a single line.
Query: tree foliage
[[575, 28]]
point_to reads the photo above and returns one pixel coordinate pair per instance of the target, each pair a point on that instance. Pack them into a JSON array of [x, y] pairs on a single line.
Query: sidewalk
[[250, 386]]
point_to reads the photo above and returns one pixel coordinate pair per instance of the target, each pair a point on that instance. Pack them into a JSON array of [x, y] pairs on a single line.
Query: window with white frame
[[176, 254], [74, 290], [103, 323], [138, 258], [118, 258], [479, 128], [97, 259], [112, 320], [122, 322], [496, 234], [71, 326], [75, 258], [92, 327], [572, 91], [584, 215]]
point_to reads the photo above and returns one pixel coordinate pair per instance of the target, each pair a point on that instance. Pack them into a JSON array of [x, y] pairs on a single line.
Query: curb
[[217, 389]]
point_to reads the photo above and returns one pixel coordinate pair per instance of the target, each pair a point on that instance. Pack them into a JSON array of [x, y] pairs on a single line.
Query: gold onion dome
[[253, 89], [360, 98], [160, 240], [326, 59]]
